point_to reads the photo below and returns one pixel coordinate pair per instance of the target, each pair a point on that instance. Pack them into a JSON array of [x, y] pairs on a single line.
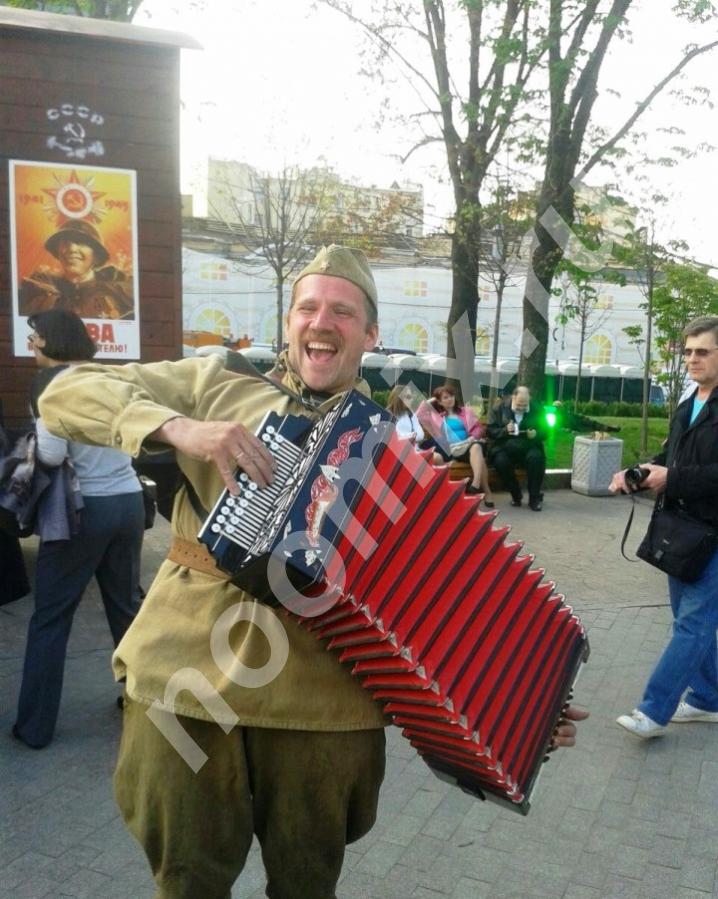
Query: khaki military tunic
[[189, 645]]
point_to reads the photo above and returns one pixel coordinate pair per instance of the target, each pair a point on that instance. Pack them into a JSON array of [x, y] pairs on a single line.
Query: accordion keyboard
[[240, 518]]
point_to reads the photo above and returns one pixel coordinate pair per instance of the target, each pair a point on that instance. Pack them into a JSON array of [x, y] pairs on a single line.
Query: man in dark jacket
[[517, 430], [686, 475]]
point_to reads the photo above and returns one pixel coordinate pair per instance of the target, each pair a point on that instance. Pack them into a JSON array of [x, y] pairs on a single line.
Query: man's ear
[[371, 337]]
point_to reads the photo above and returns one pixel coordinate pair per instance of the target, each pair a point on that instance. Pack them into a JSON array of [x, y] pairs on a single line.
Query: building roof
[[122, 32]]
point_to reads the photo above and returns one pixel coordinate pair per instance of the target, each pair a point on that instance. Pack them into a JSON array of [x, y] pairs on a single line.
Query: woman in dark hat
[[87, 285]]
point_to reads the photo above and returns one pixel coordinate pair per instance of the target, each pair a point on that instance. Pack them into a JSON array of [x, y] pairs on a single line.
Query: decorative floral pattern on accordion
[[443, 619]]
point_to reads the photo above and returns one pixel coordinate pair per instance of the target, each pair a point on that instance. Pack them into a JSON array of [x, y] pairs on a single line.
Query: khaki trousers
[[305, 794]]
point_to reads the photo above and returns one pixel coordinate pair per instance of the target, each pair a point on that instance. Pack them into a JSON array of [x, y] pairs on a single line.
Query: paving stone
[[674, 824], [440, 828], [535, 885], [422, 852], [578, 891], [614, 818], [402, 829], [486, 864], [442, 876], [588, 869], [668, 852], [660, 882], [698, 873], [467, 888], [358, 885], [37, 887], [400, 882], [629, 861], [379, 859], [422, 804]]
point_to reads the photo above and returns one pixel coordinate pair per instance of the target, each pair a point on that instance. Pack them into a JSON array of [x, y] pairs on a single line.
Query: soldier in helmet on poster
[[87, 285]]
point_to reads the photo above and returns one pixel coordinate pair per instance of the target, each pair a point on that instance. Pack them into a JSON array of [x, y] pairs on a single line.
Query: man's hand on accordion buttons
[[565, 733], [227, 444]]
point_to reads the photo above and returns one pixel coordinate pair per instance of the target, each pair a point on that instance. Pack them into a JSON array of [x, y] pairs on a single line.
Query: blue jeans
[[108, 547], [691, 659]]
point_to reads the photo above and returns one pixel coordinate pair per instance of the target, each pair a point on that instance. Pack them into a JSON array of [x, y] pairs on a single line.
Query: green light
[[551, 419]]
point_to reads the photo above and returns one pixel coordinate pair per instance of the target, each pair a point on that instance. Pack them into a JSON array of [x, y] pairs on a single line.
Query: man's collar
[[284, 372]]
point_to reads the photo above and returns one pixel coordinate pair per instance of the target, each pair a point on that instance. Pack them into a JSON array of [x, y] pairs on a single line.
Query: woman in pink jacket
[[451, 425]]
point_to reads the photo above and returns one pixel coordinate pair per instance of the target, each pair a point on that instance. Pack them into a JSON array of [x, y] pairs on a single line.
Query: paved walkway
[[614, 817]]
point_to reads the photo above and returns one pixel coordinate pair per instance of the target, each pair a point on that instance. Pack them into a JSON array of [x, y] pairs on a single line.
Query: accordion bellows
[[443, 620]]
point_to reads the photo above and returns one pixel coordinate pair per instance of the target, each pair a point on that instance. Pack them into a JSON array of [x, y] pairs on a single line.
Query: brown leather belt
[[194, 555]]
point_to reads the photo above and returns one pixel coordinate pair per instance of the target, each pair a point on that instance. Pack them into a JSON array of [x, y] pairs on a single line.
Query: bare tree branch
[[643, 106]]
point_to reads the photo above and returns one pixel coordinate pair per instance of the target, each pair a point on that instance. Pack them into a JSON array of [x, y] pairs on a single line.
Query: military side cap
[[78, 231], [343, 262]]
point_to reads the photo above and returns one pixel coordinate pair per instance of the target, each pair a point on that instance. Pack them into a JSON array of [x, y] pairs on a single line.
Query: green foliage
[[686, 292], [695, 10], [595, 408], [115, 10], [559, 446], [380, 397]]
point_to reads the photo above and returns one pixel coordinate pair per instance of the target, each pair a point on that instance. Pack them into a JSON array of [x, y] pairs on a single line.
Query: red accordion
[[443, 621]]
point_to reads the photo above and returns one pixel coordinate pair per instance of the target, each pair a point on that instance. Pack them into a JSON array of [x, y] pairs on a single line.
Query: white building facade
[[222, 297]]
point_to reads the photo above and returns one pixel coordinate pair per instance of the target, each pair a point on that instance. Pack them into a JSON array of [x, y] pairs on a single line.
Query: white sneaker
[[686, 712], [641, 725]]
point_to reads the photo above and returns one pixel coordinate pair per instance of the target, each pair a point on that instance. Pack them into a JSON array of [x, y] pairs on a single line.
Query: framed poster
[[73, 245]]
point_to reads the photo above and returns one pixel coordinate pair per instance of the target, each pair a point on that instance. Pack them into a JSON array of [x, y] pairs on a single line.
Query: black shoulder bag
[[676, 543]]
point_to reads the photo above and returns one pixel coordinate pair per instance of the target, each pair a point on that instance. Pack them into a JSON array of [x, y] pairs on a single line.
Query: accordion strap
[[194, 555]]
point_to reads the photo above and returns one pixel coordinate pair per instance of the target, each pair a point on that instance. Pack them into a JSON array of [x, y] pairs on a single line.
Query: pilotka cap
[[343, 262]]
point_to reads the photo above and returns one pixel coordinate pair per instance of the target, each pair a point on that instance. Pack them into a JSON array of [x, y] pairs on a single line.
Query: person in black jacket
[[517, 430], [14, 583], [686, 475]]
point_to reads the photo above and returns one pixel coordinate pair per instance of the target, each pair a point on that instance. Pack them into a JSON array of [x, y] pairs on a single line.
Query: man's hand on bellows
[[227, 444], [565, 733]]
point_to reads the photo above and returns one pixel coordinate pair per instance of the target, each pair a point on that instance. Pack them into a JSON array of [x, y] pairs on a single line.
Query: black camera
[[636, 476]]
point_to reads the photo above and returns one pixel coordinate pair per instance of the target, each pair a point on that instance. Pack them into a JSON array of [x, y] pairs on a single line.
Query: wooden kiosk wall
[[130, 75]]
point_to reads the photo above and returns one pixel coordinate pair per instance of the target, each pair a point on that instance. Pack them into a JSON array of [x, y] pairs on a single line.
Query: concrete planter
[[594, 464]]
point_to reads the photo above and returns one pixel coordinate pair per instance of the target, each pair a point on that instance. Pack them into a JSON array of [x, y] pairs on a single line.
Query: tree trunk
[[545, 259], [534, 342], [464, 301], [280, 313], [494, 387], [580, 362], [647, 361]]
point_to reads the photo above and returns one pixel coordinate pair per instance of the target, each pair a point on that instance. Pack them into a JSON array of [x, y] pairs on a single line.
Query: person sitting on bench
[[456, 433], [516, 432]]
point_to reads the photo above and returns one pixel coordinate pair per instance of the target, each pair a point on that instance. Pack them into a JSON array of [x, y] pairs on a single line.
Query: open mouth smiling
[[319, 351]]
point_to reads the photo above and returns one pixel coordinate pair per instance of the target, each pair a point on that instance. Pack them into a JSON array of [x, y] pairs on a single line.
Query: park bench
[[555, 477]]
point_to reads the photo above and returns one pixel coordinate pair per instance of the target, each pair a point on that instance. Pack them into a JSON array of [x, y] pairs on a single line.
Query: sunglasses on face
[[700, 352]]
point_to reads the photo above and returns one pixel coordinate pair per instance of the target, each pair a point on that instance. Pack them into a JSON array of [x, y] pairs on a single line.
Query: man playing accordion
[[237, 720]]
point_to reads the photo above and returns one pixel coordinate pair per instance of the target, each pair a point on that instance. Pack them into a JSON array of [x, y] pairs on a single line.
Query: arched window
[[482, 341], [269, 328], [414, 337], [598, 350], [213, 320]]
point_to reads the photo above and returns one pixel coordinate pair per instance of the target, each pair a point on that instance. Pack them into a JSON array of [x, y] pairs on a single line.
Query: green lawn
[[559, 446]]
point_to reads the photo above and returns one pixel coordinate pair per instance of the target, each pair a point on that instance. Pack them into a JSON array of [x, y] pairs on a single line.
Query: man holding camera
[[685, 476]]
